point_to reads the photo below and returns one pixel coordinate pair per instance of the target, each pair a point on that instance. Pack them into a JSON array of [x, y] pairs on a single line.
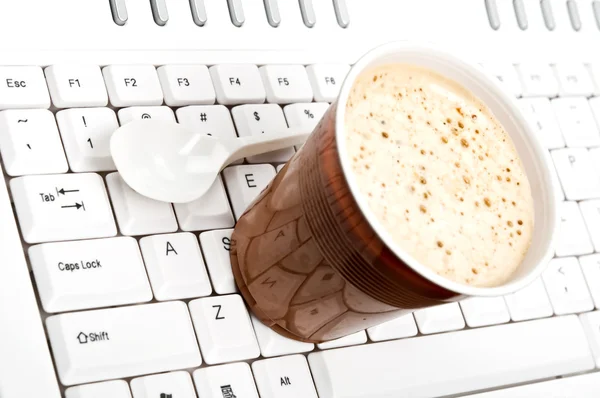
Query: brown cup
[[311, 260]]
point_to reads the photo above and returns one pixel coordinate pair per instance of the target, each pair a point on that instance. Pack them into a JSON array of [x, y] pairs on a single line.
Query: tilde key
[[62, 207]]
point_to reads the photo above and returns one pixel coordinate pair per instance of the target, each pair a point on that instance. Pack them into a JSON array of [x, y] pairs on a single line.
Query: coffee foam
[[440, 173]]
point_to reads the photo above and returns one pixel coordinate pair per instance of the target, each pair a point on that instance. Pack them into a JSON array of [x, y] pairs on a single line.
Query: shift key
[[122, 342]]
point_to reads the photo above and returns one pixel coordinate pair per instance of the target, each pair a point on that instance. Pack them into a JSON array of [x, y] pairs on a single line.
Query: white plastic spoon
[[167, 162]]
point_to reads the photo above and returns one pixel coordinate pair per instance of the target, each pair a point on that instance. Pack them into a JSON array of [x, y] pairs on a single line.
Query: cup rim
[[493, 86]]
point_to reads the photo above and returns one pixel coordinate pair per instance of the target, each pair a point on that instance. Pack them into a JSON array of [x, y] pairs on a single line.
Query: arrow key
[[46, 214]]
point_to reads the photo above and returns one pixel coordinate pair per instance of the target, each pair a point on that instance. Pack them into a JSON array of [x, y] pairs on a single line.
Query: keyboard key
[[591, 326], [441, 318], [558, 191], [573, 238], [211, 211], [224, 330], [253, 120], [285, 377], [225, 381], [576, 122], [403, 326], [531, 302], [326, 80], [175, 266], [590, 265], [89, 274], [216, 246], [186, 85], [593, 68], [127, 115], [130, 85], [594, 104], [507, 75], [273, 344], [174, 384], [237, 84], [464, 361], [112, 389], [352, 339], [74, 86], [62, 207], [305, 116], [86, 136], [286, 83], [569, 387], [213, 120], [245, 182], [537, 80], [118, 340], [540, 115], [23, 87], [30, 143], [484, 311], [577, 174], [573, 79], [137, 214], [590, 209], [566, 286]]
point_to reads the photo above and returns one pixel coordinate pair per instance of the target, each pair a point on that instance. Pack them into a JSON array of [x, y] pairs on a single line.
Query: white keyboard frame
[[39, 32]]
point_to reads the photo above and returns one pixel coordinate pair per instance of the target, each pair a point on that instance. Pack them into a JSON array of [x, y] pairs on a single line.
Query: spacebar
[[453, 363]]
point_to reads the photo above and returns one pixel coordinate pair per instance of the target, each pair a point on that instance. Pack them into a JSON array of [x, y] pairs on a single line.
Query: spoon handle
[[243, 147]]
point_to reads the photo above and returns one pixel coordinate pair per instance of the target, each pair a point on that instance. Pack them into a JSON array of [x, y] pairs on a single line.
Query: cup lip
[[431, 50]]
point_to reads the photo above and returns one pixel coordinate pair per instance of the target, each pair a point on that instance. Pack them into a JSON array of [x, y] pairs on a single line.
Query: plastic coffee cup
[[314, 263]]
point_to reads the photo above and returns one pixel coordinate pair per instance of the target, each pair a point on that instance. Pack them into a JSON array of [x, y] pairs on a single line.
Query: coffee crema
[[440, 173]]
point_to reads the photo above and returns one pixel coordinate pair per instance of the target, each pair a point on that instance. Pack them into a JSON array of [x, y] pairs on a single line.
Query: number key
[[305, 115], [86, 136], [30, 143], [262, 119], [224, 330], [214, 120], [130, 114]]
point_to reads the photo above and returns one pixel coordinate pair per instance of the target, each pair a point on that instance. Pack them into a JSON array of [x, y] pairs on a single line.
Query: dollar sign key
[[256, 117]]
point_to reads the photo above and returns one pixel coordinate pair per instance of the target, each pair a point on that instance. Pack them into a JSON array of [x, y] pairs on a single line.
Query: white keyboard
[[104, 293]]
